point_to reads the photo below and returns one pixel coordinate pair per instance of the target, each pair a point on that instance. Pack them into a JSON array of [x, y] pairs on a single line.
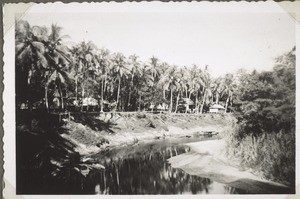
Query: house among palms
[[216, 108], [186, 105]]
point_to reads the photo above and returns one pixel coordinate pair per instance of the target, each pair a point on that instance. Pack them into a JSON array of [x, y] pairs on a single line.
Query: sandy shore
[[208, 159]]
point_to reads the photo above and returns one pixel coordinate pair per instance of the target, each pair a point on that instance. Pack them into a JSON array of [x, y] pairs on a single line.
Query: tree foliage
[[52, 69]]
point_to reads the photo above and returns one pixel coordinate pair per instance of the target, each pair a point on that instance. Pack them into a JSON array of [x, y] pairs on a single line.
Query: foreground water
[[143, 169]]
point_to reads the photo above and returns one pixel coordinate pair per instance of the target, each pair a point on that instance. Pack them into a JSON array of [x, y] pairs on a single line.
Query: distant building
[[216, 108], [186, 105]]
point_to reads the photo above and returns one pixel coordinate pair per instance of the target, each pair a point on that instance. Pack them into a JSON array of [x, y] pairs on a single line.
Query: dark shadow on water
[[45, 161]]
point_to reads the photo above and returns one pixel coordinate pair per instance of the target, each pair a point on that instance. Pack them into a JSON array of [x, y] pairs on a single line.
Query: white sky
[[178, 34]]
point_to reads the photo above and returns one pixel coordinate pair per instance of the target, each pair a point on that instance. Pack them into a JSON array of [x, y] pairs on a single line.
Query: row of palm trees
[[47, 67]]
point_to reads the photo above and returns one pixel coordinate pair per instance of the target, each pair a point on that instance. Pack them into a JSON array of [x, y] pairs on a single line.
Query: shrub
[[270, 153]]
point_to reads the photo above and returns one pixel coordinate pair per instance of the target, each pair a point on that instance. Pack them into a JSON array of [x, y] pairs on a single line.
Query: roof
[[217, 106], [187, 101]]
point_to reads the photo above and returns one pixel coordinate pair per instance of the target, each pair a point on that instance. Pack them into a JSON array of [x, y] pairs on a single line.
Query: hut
[[186, 105], [216, 108]]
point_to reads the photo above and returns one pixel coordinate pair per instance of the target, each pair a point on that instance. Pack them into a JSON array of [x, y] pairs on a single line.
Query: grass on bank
[[272, 155]]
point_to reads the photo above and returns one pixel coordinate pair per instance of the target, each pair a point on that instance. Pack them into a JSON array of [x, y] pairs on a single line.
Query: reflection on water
[[143, 169], [138, 169]]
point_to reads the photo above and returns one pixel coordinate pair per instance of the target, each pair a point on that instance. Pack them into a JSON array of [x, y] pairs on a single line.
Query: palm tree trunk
[[164, 93], [217, 98], [202, 105], [46, 97], [61, 97], [102, 90], [177, 102], [171, 101], [140, 99], [129, 95], [190, 95], [82, 91], [189, 99], [226, 106], [76, 86], [118, 94], [197, 102], [105, 89]]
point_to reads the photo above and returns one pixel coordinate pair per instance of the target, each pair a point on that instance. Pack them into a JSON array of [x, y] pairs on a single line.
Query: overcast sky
[[226, 41]]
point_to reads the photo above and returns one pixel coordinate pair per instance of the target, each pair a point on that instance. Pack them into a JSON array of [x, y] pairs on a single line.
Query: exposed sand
[[208, 159]]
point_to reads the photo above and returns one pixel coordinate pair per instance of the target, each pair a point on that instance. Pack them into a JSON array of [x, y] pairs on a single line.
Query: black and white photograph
[[150, 98]]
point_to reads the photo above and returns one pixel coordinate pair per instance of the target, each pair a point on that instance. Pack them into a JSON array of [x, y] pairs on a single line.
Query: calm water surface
[[143, 169]]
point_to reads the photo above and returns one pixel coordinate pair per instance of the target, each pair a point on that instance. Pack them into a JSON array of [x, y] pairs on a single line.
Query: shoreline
[[89, 141], [208, 159]]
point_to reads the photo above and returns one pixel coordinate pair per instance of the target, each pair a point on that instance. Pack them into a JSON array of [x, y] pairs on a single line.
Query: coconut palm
[[229, 85], [30, 54], [119, 69], [217, 89], [154, 67], [206, 89], [182, 84], [104, 63], [58, 76], [144, 83], [135, 71], [58, 56], [170, 81], [196, 84], [85, 61]]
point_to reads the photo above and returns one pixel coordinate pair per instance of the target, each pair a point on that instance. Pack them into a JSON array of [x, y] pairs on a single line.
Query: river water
[[143, 169]]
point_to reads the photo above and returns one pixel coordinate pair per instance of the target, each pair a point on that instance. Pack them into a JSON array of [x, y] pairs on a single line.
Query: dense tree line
[[269, 97], [265, 134], [46, 68]]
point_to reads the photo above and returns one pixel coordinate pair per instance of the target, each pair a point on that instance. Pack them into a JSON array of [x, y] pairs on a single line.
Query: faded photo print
[[154, 98]]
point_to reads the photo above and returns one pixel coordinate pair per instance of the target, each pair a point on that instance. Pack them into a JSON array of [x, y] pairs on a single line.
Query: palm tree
[[182, 84], [58, 76], [196, 84], [135, 71], [104, 62], [145, 81], [207, 93], [85, 57], [229, 85], [30, 51], [217, 89], [58, 58], [154, 67], [119, 69], [170, 81]]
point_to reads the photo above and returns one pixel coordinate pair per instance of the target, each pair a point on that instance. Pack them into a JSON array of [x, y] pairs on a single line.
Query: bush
[[270, 153]]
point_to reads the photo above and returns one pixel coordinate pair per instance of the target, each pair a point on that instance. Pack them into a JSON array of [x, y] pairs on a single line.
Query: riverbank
[[209, 159], [93, 133], [49, 151], [73, 144]]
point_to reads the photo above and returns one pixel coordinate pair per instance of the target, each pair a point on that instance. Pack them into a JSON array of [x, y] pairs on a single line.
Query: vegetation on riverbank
[[59, 153], [264, 138], [92, 133]]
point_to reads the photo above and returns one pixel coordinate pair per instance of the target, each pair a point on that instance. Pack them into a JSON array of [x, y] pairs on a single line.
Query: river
[[143, 169], [181, 165]]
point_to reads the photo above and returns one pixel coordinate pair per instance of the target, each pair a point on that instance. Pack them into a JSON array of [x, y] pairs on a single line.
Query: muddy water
[[143, 169]]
